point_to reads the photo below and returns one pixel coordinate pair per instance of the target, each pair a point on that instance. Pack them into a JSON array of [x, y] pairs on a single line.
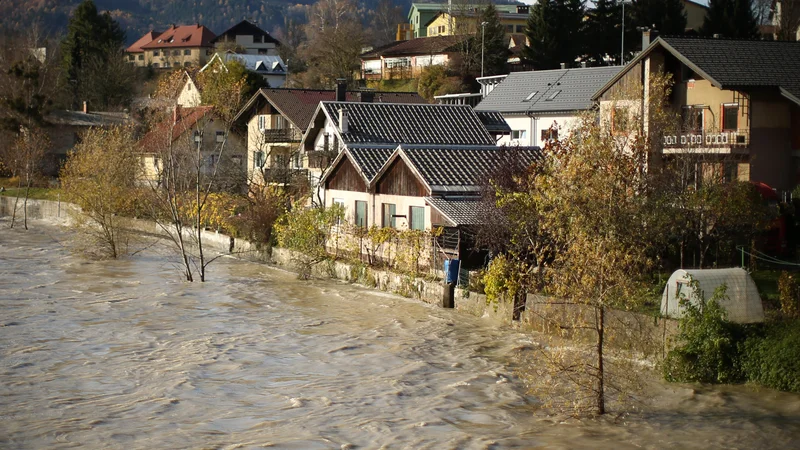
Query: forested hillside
[[139, 16]]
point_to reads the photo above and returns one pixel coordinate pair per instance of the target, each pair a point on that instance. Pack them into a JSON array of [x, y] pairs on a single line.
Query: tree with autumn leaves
[[586, 225]]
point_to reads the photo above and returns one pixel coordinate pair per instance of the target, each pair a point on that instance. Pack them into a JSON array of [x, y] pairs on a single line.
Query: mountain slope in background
[[140, 16]]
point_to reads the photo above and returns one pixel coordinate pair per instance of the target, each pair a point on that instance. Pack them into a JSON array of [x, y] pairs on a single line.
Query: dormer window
[[530, 96]]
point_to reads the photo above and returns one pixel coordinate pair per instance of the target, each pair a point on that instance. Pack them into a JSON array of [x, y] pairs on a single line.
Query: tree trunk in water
[[601, 398], [16, 202], [25, 204]]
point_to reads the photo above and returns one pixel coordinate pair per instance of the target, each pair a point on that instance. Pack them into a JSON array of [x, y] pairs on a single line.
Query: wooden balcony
[[707, 141]]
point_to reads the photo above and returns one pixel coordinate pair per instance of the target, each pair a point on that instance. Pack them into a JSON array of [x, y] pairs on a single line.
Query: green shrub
[[773, 360], [709, 347], [789, 289]]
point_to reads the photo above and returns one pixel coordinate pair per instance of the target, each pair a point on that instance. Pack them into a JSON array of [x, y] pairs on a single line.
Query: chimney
[[85, 108], [343, 120], [583, 64], [717, 35], [341, 90], [563, 65], [648, 36], [175, 114]]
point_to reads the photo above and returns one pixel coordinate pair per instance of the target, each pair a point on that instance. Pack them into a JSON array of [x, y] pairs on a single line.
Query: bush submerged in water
[[713, 350], [708, 349], [773, 360]]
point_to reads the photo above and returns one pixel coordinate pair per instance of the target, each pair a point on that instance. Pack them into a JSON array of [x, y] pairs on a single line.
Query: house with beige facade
[[738, 101], [184, 134], [276, 120], [135, 53], [178, 46]]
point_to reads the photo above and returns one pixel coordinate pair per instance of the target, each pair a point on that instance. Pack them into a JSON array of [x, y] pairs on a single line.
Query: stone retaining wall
[[642, 333]]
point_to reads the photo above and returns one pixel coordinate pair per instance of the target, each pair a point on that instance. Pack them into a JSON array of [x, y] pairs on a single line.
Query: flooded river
[[123, 354]]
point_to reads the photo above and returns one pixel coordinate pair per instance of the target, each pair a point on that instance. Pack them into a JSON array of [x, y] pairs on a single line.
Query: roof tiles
[[182, 36], [386, 123], [573, 89]]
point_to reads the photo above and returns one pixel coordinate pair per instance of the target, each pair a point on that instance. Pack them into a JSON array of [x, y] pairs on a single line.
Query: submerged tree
[[100, 176], [26, 162]]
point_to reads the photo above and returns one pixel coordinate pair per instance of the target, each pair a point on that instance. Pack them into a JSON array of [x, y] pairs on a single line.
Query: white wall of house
[[527, 131], [375, 204], [189, 97]]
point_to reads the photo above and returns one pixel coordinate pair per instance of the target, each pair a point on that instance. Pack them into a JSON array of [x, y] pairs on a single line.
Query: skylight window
[[529, 97], [553, 96]]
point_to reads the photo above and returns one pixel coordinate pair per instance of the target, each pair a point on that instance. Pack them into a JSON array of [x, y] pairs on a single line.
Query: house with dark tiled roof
[[739, 103], [410, 151], [407, 59], [417, 187], [276, 119], [246, 37], [179, 46], [187, 131], [543, 105]]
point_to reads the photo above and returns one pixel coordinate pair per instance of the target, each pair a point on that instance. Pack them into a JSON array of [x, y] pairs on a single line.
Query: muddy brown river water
[[123, 354]]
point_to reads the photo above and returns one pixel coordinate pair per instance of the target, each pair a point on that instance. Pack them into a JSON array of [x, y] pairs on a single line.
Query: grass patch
[[34, 193], [767, 284], [393, 85]]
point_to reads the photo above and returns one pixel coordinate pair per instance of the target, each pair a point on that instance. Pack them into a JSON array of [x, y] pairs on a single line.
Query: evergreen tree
[[730, 19], [556, 33], [91, 37], [603, 30], [668, 17], [492, 40]]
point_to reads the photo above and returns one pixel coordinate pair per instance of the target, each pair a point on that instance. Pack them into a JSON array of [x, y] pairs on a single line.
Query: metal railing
[[707, 139]]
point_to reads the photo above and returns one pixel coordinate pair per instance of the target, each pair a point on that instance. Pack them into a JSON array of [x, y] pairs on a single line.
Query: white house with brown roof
[[407, 59], [136, 54]]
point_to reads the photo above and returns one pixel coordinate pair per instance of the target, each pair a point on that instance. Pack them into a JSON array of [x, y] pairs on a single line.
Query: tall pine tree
[[556, 34], [668, 17], [492, 40], [603, 30], [732, 19], [90, 37]]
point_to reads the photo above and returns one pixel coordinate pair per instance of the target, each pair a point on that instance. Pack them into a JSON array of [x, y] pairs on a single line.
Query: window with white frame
[[258, 159], [730, 116], [220, 136], [262, 122], [519, 134]]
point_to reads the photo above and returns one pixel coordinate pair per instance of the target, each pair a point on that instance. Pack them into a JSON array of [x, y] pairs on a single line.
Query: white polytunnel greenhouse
[[742, 301]]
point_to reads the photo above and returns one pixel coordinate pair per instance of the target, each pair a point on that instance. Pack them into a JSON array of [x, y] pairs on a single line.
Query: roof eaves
[[790, 96], [430, 202]]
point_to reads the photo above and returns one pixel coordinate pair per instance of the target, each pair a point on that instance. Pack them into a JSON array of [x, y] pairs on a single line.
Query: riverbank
[[641, 333]]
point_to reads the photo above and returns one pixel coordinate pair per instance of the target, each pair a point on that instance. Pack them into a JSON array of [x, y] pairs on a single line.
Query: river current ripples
[[123, 354]]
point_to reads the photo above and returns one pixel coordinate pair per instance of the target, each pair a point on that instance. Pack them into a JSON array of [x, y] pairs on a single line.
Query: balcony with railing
[[707, 141], [276, 135]]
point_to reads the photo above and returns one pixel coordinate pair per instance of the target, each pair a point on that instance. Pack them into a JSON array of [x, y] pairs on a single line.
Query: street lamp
[[483, 41], [622, 50]]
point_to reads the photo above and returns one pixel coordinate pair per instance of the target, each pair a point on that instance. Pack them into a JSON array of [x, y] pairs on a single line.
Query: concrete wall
[[639, 332]]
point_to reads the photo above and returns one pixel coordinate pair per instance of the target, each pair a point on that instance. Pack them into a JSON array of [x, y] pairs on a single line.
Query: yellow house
[[466, 22], [182, 46]]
